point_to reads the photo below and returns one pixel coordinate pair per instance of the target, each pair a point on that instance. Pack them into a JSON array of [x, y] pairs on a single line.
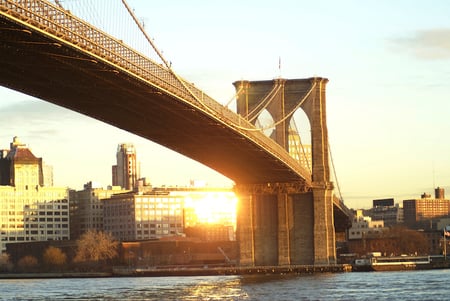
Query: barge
[[399, 263]]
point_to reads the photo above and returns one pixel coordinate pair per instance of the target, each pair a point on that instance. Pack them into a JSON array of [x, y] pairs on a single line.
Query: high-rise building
[[25, 170], [29, 211], [86, 208], [299, 151], [126, 172], [424, 212], [385, 210]]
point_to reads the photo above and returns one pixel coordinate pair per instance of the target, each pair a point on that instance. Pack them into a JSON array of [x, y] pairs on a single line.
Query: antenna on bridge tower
[[279, 67]]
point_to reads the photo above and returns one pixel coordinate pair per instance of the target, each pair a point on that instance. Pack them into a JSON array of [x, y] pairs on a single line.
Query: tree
[[5, 263], [408, 241], [95, 246], [27, 263], [54, 257], [394, 241]]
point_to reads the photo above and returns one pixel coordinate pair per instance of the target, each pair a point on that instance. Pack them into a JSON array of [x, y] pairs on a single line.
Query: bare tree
[[94, 246]]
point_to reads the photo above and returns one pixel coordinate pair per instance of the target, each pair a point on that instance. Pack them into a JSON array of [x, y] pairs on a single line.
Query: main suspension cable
[[264, 103], [334, 172]]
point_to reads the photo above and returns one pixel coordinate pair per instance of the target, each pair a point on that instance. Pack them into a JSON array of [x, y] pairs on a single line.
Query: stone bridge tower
[[285, 223]]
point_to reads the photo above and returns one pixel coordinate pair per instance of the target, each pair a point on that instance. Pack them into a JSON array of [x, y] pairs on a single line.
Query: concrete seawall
[[206, 271]]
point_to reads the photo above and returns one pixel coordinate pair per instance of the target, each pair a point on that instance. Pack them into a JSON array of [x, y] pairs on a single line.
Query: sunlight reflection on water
[[414, 285]]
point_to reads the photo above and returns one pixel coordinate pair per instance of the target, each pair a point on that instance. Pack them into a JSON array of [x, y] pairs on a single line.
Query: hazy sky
[[388, 107]]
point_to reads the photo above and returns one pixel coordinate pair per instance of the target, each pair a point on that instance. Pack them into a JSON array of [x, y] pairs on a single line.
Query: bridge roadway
[[44, 55], [50, 54]]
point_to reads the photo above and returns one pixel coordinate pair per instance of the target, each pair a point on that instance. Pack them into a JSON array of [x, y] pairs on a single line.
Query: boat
[[395, 263]]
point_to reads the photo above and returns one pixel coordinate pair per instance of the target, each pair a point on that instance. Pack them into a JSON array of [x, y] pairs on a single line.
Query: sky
[[388, 96]]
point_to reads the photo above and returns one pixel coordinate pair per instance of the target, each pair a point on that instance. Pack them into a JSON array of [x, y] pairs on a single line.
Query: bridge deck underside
[[34, 64]]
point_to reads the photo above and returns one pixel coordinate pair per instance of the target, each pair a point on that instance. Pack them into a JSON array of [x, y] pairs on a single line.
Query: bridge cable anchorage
[[281, 120]]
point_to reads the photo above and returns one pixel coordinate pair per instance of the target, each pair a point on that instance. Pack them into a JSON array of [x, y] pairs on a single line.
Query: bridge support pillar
[[285, 226], [258, 230], [324, 233], [278, 226], [245, 230]]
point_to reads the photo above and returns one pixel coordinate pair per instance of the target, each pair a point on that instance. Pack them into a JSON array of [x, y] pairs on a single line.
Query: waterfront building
[[29, 210], [153, 253], [209, 206], [126, 172], [138, 216], [211, 232], [424, 212], [167, 211], [385, 210], [364, 227], [86, 207], [435, 241], [442, 223]]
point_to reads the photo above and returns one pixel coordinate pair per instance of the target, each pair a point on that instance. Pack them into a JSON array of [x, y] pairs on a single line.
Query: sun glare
[[214, 208]]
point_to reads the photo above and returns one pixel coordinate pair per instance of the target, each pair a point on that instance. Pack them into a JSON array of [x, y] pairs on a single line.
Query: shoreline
[[55, 275], [186, 271], [241, 270]]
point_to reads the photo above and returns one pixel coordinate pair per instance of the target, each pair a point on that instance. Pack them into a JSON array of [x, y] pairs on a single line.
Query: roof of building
[[23, 155]]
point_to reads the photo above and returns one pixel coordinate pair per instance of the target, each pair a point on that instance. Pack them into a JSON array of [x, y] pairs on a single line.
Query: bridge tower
[[287, 223]]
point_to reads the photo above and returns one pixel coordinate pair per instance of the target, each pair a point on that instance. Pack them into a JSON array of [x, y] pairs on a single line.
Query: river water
[[408, 285]]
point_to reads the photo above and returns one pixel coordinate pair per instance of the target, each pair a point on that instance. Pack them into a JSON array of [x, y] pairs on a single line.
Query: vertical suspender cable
[[334, 172], [145, 34]]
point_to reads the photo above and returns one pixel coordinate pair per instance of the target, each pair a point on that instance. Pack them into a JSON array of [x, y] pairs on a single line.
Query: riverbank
[[54, 275], [187, 271], [214, 271]]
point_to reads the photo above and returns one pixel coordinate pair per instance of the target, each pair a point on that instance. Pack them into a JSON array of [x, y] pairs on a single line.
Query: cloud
[[32, 107], [32, 120], [431, 44]]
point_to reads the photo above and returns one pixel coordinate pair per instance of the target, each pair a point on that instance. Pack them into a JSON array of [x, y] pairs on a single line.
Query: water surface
[[408, 285]]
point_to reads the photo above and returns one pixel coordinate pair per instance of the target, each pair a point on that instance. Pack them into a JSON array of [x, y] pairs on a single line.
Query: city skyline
[[387, 99]]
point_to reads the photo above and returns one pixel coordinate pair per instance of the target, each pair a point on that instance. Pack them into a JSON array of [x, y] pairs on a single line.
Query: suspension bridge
[[288, 213]]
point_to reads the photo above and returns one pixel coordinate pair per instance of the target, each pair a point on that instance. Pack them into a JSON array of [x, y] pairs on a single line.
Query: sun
[[215, 208]]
